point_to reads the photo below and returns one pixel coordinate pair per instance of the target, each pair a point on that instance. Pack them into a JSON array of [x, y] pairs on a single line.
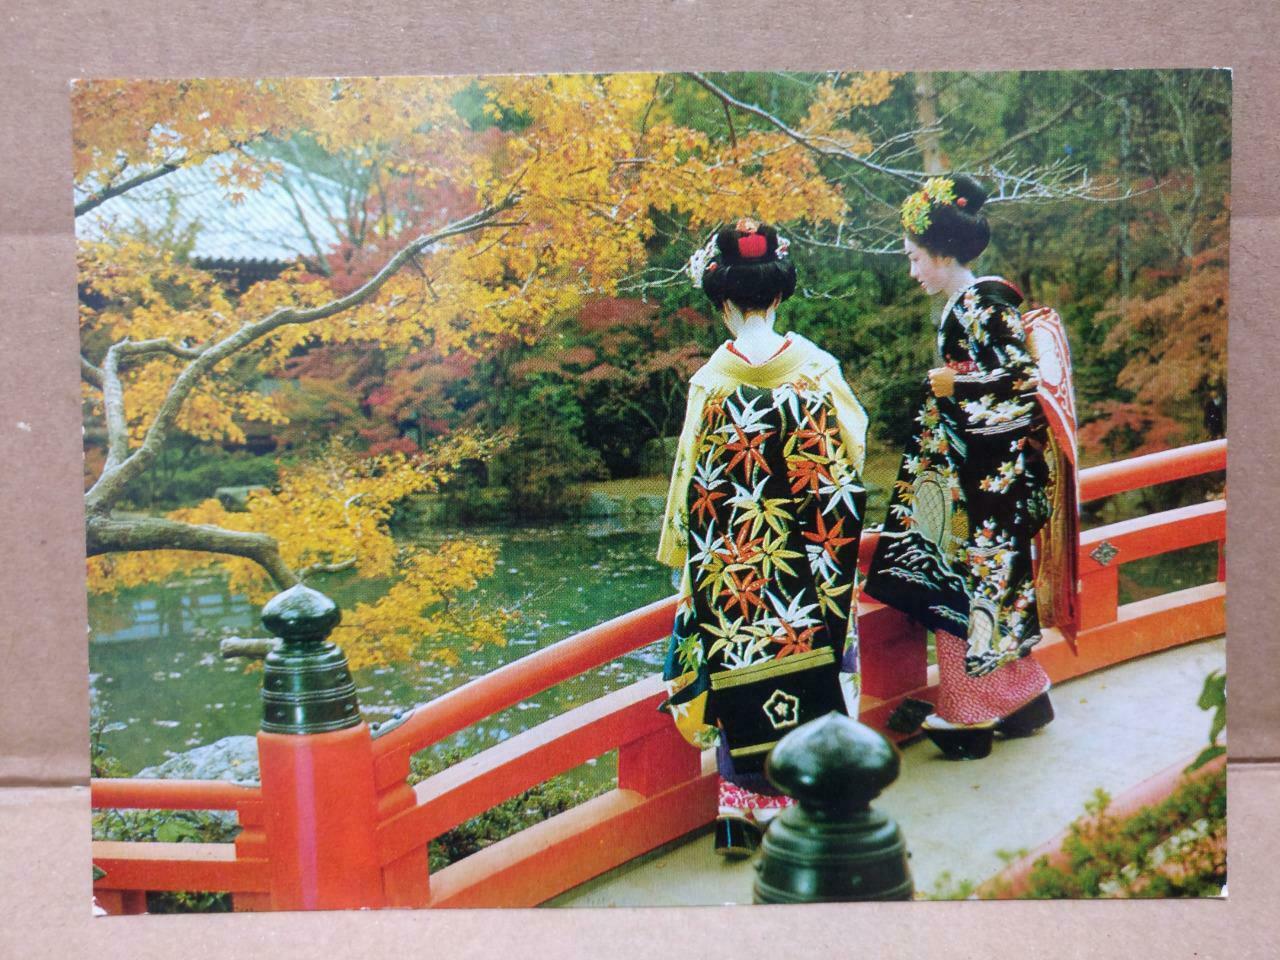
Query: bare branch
[[728, 118], [248, 648], [113, 390], [106, 534], [90, 374], [132, 349], [113, 482], [314, 568], [834, 148], [321, 262], [113, 412], [100, 197]]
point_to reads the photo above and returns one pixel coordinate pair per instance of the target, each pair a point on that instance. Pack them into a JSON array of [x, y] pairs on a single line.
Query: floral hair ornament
[[752, 244], [916, 208], [698, 263]]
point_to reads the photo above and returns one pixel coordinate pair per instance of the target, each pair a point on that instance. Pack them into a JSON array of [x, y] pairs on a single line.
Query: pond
[[160, 686]]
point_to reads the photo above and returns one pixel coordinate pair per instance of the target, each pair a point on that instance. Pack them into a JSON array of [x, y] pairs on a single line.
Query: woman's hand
[[943, 381]]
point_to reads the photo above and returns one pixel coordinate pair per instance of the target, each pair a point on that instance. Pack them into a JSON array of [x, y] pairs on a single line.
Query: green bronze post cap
[[300, 614], [833, 763]]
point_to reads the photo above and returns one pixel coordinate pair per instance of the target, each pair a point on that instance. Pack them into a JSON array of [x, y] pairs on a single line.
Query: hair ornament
[[752, 245], [916, 208], [703, 259]]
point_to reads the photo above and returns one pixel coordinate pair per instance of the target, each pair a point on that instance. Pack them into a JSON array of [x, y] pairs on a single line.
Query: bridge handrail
[[1151, 469], [527, 677], [530, 675], [135, 793]]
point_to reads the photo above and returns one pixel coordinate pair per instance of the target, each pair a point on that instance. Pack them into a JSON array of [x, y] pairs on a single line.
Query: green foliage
[[526, 809], [1176, 848], [188, 473], [947, 887], [159, 826], [1213, 697], [548, 452]]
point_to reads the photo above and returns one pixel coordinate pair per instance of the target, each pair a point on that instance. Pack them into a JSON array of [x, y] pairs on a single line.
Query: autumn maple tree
[[554, 183]]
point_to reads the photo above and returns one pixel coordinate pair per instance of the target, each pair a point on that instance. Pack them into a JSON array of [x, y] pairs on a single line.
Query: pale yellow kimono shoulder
[[722, 374]]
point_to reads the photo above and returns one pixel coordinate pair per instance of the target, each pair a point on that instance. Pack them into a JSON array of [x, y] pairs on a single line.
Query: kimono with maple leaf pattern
[[955, 552], [764, 515]]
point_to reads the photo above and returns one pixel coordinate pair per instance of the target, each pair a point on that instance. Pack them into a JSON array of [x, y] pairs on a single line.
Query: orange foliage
[[1176, 341]]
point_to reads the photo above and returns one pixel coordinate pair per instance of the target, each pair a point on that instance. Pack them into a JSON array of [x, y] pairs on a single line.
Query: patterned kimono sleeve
[[850, 415], [999, 395], [673, 542]]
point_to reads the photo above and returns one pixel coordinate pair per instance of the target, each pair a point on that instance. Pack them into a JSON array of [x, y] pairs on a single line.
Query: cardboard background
[[44, 863]]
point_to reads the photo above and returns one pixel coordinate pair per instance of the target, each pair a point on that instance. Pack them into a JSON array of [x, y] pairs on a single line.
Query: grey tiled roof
[[265, 226]]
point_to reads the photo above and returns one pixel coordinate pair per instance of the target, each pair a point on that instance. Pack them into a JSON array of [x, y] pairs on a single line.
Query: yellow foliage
[[332, 511], [591, 160], [421, 611]]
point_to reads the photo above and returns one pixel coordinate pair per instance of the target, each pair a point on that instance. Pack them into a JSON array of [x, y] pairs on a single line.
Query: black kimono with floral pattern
[[970, 496], [774, 518]]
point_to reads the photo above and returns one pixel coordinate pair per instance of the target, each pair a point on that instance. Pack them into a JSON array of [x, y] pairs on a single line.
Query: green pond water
[[160, 686]]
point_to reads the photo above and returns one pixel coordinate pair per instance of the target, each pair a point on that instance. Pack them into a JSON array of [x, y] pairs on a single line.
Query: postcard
[[654, 489]]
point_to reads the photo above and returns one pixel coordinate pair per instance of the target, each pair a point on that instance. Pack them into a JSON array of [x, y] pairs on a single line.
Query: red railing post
[[1099, 597], [406, 880], [315, 757], [119, 903], [893, 650], [657, 761]]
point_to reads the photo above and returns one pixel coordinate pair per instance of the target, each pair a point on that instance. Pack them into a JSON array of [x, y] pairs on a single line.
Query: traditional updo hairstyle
[[945, 217], [747, 265]]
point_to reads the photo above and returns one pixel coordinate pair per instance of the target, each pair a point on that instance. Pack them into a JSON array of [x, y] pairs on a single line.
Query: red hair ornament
[[753, 246]]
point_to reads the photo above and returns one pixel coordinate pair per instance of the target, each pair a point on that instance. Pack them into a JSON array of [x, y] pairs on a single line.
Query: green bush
[[1177, 848], [158, 826]]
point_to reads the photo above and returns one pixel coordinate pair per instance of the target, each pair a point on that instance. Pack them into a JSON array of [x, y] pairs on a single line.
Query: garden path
[[1114, 729]]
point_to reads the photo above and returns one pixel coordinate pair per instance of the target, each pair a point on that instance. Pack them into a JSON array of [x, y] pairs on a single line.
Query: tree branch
[[250, 648], [113, 413], [118, 354], [112, 483], [131, 349], [106, 534], [314, 568], [806, 141], [100, 197], [90, 374]]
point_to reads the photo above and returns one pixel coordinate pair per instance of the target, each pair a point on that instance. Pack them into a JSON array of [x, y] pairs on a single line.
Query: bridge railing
[[664, 788]]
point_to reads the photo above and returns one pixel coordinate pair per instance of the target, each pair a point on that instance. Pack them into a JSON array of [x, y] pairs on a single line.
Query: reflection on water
[[161, 687]]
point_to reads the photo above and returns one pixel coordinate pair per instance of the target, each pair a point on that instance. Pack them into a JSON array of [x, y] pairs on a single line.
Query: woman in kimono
[[973, 488], [763, 520]]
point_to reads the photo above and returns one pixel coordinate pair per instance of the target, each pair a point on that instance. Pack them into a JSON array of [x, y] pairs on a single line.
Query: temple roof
[[269, 224]]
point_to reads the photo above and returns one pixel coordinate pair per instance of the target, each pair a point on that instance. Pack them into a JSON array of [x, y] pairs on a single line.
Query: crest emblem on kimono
[[782, 709]]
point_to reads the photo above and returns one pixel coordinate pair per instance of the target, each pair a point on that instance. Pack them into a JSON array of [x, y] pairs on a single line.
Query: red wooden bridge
[[334, 823]]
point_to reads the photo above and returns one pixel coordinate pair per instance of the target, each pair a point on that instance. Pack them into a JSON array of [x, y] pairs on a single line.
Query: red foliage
[[611, 313], [1126, 429]]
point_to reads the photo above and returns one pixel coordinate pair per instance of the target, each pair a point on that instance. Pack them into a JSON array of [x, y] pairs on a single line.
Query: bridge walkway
[[1114, 729]]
